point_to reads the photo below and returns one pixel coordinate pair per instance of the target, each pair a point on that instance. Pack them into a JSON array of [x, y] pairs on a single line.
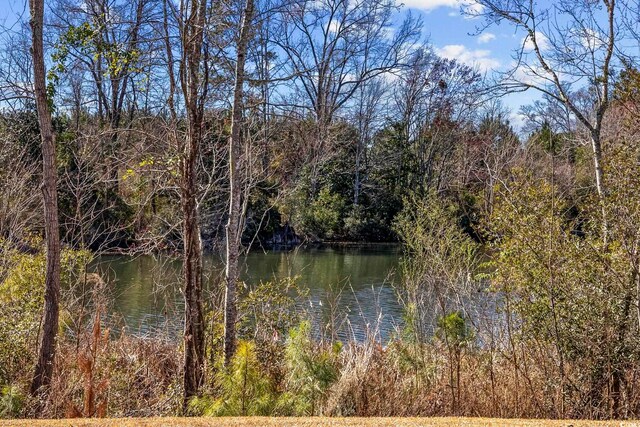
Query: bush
[[311, 369], [569, 295], [268, 311], [11, 402], [244, 390], [320, 217], [362, 225], [120, 376], [439, 265], [21, 302]]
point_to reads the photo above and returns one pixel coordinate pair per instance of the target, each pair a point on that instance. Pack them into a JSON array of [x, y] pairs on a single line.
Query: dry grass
[[314, 421]]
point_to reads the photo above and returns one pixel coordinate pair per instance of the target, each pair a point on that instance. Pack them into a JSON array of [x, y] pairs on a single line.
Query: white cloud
[[541, 40], [591, 39], [428, 5], [486, 37], [472, 7], [531, 74], [517, 120], [480, 58], [333, 26]]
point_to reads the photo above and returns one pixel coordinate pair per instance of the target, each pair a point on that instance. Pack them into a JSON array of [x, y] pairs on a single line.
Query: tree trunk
[[360, 147], [194, 87], [596, 148], [233, 225], [192, 271], [47, 342], [597, 162]]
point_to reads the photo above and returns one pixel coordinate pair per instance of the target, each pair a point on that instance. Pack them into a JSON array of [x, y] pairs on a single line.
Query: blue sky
[[11, 10], [452, 34]]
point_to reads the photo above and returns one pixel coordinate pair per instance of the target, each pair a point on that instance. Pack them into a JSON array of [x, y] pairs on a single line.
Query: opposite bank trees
[[333, 48]]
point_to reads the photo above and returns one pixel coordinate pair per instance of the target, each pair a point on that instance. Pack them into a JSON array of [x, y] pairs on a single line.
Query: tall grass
[[459, 363]]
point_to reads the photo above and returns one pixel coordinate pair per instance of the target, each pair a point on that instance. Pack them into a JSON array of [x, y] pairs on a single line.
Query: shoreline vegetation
[[277, 248]]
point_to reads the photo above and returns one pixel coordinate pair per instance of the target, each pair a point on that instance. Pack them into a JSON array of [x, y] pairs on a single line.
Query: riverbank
[[217, 249], [314, 421]]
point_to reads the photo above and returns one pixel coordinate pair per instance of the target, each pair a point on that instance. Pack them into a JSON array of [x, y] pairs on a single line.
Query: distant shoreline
[[304, 245]]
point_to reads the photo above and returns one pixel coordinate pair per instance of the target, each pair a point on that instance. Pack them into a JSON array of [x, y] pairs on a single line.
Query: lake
[[353, 285]]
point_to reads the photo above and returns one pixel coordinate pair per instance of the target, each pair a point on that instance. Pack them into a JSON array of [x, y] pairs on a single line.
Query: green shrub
[[311, 369], [318, 217], [268, 311], [453, 329], [439, 264], [244, 389], [11, 402], [21, 303], [363, 224]]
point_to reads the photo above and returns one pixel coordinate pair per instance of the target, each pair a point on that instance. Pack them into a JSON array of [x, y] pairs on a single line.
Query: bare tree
[[20, 204], [567, 44], [193, 79], [107, 41], [333, 47], [47, 344], [434, 100], [547, 110], [368, 100], [234, 229], [16, 69]]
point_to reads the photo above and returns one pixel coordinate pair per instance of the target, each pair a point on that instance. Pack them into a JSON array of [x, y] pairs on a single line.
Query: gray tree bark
[[47, 340], [234, 229], [194, 86]]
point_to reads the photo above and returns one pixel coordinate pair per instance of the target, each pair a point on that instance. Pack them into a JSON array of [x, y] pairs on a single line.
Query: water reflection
[[350, 288]]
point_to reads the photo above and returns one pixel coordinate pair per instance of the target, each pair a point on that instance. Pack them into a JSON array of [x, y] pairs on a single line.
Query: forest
[[185, 128]]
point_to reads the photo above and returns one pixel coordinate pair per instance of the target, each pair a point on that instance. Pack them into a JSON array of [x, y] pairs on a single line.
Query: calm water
[[352, 285]]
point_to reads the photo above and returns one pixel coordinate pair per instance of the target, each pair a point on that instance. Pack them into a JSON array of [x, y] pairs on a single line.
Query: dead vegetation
[[316, 421]]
